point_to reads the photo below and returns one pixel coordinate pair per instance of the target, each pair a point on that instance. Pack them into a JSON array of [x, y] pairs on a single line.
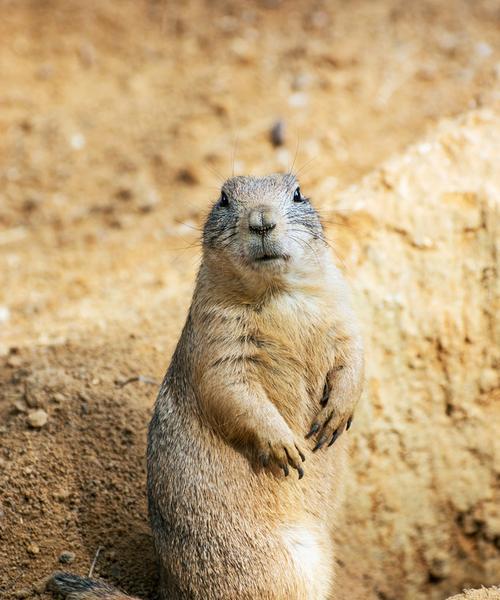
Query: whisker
[[235, 148], [216, 173], [307, 163], [295, 155], [301, 242], [227, 239], [194, 227]]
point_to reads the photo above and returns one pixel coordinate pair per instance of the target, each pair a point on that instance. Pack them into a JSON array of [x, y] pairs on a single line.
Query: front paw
[[331, 421], [281, 452]]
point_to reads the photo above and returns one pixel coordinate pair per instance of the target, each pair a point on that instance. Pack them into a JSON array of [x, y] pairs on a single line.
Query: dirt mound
[[421, 237]]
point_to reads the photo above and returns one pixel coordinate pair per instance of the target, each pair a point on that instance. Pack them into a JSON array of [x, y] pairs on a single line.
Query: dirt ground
[[118, 121]]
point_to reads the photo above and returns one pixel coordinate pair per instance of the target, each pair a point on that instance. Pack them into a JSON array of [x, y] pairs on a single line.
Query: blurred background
[[119, 121]]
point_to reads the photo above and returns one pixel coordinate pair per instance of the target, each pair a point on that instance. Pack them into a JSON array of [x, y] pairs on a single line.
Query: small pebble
[[37, 418], [298, 100], [4, 314], [188, 175], [14, 361], [66, 557], [33, 549], [19, 406], [77, 141], [278, 133], [22, 594], [62, 494]]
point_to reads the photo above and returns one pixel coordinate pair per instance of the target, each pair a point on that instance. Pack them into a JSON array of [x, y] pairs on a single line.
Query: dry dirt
[[117, 122]]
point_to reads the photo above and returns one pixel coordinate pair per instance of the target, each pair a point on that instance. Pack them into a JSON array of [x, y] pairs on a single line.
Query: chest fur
[[295, 349]]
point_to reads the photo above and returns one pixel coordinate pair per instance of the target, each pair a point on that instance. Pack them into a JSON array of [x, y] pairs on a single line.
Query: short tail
[[73, 587]]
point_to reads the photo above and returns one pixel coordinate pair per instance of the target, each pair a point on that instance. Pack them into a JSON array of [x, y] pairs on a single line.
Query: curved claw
[[326, 394], [314, 429], [335, 436], [293, 462], [301, 454], [320, 442]]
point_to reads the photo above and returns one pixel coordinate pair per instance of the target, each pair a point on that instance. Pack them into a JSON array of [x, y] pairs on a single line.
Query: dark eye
[[297, 196], [224, 200]]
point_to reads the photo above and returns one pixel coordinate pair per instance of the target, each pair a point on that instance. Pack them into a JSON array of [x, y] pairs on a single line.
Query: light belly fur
[[311, 552]]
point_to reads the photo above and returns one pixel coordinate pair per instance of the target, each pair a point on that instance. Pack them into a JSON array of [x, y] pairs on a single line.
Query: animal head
[[264, 226]]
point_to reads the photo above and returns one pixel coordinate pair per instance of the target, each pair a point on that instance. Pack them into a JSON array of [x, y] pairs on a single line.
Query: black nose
[[262, 229], [261, 222]]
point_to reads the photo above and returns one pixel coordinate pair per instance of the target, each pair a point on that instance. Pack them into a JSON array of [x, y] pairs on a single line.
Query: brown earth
[[117, 122]]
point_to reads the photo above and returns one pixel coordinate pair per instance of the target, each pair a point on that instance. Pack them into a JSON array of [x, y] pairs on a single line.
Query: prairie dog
[[243, 488]]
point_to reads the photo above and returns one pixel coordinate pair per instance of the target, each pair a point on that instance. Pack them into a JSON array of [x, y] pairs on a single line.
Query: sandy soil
[[118, 122]]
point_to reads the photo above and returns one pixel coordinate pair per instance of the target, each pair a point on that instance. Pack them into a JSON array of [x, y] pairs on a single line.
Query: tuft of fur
[[74, 587]]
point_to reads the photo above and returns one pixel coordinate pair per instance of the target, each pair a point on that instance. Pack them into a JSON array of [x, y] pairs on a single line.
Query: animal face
[[264, 224]]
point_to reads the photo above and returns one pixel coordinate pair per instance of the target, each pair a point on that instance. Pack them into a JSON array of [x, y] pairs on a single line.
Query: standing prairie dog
[[265, 377]]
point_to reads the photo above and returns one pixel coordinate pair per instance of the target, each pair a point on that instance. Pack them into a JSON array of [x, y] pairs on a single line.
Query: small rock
[[37, 418], [298, 100], [22, 594], [62, 494], [77, 141], [33, 549], [66, 557], [124, 194], [14, 361], [278, 133], [58, 397], [19, 406], [4, 314], [188, 175]]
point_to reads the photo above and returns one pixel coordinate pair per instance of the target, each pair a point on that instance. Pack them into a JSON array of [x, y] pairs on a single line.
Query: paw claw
[[314, 429], [335, 436], [301, 454], [320, 443], [326, 394]]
